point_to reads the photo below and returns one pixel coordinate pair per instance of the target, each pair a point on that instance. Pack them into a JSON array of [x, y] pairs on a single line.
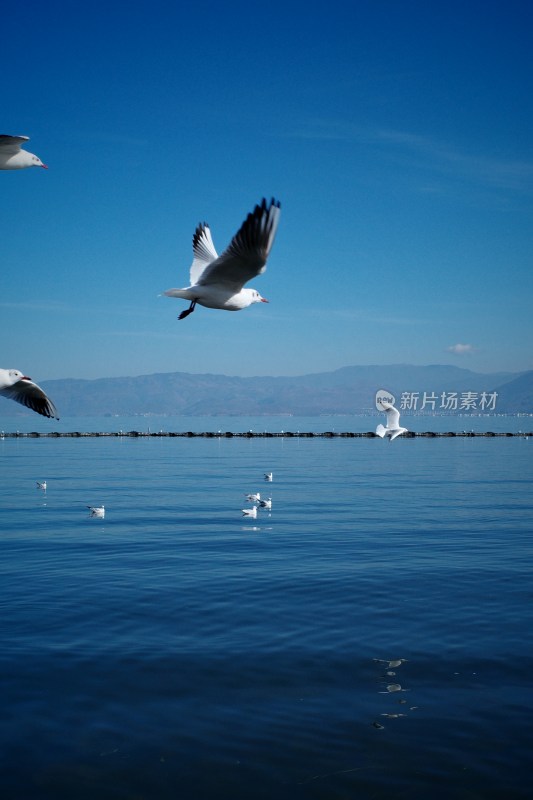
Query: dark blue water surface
[[177, 649]]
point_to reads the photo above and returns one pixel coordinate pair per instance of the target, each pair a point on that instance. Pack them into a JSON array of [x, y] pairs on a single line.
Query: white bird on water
[[397, 662], [218, 281], [12, 156], [41, 485], [17, 386], [97, 511], [250, 512], [268, 477], [393, 428], [266, 503], [254, 498]]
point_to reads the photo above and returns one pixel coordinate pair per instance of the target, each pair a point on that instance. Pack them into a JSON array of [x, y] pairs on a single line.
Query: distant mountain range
[[350, 390]]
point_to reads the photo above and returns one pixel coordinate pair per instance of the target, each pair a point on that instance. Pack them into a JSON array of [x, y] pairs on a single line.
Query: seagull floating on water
[[12, 156], [268, 476], [393, 428], [250, 512], [397, 662], [97, 511], [41, 485], [17, 386], [254, 498], [218, 281], [266, 503]]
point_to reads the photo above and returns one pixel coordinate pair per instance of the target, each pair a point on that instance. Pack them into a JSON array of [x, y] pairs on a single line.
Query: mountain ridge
[[346, 390]]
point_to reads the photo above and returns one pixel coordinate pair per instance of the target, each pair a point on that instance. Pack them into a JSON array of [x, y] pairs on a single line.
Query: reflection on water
[[390, 668]]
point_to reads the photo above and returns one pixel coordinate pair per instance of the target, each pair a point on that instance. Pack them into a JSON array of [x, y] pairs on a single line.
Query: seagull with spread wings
[[17, 386], [218, 281]]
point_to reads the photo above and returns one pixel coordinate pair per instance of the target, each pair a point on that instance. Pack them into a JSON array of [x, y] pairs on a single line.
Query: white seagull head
[[12, 156], [253, 296]]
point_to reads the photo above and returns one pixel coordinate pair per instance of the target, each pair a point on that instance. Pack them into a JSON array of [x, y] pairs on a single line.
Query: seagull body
[[97, 511], [13, 157], [218, 281], [250, 512], [17, 386], [266, 503], [268, 477], [397, 662], [393, 428], [254, 498], [41, 485]]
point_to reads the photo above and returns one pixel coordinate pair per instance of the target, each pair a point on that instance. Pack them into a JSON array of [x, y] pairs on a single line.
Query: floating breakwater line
[[248, 434]]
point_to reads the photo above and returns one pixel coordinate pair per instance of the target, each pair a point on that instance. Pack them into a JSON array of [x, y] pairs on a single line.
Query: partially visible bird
[[17, 386], [269, 476], [97, 511], [41, 485], [393, 428], [12, 156], [250, 512], [253, 498], [397, 662], [266, 503], [218, 281]]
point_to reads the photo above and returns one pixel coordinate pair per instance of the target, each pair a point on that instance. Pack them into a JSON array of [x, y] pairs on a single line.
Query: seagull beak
[[263, 300], [25, 378], [44, 166]]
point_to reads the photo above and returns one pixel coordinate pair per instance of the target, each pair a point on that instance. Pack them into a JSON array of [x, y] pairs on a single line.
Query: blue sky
[[397, 136]]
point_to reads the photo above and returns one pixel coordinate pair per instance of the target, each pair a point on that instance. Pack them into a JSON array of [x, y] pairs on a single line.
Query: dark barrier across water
[[247, 434]]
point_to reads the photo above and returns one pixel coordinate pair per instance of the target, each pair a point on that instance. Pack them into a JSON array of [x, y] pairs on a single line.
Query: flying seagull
[[19, 387], [393, 428], [13, 157], [218, 281]]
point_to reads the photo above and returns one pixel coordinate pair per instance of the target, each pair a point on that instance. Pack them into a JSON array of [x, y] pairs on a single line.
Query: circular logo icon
[[383, 396]]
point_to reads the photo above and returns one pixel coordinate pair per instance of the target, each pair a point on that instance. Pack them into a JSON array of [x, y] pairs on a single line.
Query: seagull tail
[[380, 431], [183, 294], [398, 433]]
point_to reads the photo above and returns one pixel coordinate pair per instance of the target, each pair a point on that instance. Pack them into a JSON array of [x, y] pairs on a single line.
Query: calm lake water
[[176, 649]]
